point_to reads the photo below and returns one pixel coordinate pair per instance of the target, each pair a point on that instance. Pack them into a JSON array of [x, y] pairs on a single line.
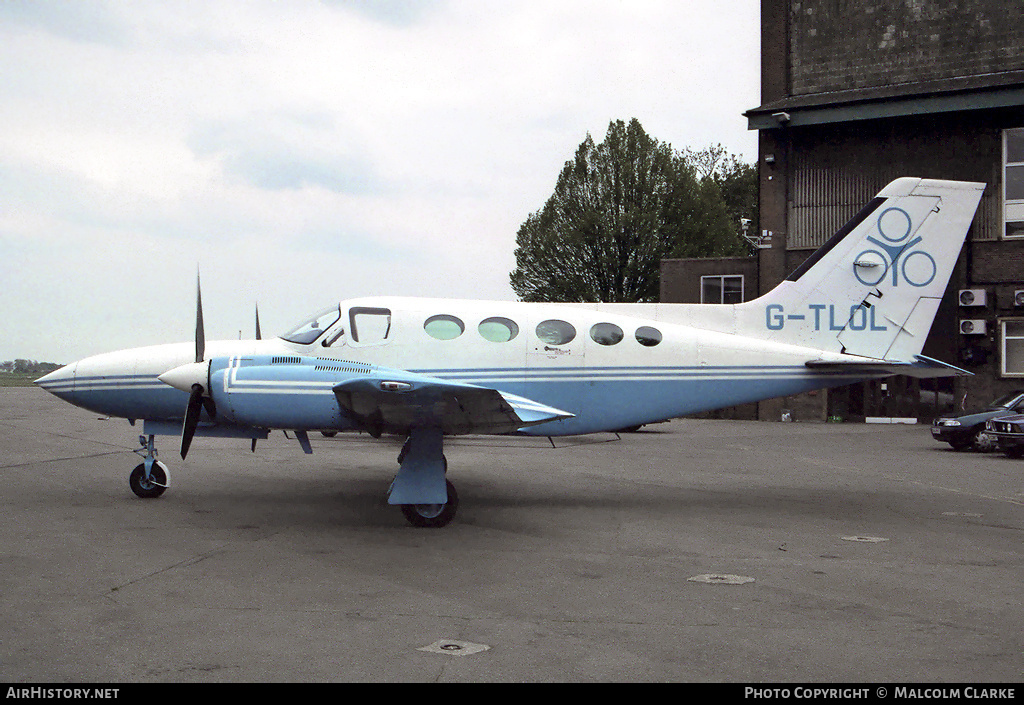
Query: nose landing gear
[[149, 479]]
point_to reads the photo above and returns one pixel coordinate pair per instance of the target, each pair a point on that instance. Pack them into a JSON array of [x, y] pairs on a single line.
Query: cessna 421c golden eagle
[[859, 308]]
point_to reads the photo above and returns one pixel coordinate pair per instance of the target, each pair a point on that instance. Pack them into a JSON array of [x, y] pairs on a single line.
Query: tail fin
[[873, 289]]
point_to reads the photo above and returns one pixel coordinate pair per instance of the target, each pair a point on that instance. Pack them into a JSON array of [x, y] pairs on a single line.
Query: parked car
[[968, 430], [1009, 434]]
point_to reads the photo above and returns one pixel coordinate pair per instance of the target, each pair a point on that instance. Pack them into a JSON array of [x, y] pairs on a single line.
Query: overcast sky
[[300, 152]]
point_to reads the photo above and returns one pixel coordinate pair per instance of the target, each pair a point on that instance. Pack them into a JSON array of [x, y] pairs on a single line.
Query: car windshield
[[1006, 400], [313, 327]]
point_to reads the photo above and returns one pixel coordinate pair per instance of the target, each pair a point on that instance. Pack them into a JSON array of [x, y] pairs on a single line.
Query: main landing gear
[[433, 516], [421, 489], [149, 478]]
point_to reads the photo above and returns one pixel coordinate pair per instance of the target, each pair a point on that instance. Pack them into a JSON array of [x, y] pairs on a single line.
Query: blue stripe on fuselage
[[602, 398]]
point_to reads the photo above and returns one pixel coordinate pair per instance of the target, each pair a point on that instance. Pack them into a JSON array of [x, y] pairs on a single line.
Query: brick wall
[[680, 278], [843, 44]]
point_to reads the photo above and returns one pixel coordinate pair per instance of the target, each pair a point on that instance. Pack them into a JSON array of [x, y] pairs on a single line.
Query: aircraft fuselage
[[611, 370]]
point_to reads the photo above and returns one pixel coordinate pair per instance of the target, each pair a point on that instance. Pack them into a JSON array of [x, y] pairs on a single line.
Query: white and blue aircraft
[[859, 308]]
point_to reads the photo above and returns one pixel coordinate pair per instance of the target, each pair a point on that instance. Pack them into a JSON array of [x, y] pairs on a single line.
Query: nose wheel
[[152, 486], [149, 478]]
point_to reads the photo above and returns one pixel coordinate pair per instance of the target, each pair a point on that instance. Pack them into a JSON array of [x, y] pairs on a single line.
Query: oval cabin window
[[555, 332], [647, 336], [498, 330], [444, 327], [606, 333]]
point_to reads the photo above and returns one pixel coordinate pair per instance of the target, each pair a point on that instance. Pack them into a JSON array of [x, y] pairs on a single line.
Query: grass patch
[[18, 379]]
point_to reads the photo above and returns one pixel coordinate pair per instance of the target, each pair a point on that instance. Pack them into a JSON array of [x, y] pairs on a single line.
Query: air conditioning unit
[[973, 297], [972, 326], [1018, 297]]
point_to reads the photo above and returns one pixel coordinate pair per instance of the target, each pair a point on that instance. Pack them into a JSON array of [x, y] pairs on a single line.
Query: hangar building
[[853, 95]]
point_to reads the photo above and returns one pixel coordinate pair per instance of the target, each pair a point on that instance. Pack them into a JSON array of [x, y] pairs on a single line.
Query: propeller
[[192, 411], [195, 379], [200, 331], [259, 336]]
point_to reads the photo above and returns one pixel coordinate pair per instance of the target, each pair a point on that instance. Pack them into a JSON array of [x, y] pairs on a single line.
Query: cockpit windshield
[[312, 328]]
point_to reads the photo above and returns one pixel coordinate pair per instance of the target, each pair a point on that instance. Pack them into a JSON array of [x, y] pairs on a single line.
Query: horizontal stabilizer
[[922, 368], [394, 401]]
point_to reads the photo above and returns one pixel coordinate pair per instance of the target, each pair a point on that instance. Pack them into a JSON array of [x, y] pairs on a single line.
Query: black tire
[[148, 489], [433, 516], [961, 443]]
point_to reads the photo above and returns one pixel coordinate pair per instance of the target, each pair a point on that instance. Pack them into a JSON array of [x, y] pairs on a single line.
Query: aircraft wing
[[394, 401], [922, 367]]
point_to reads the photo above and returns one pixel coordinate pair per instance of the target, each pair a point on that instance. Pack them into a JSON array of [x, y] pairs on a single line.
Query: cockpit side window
[[312, 328], [338, 336], [369, 325]]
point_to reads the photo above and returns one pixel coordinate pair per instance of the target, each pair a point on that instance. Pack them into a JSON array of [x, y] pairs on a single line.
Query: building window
[[1011, 333], [724, 289], [1013, 182]]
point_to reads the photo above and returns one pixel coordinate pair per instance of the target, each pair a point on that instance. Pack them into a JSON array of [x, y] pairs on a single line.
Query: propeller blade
[[259, 336], [211, 408], [200, 332], [188, 429]]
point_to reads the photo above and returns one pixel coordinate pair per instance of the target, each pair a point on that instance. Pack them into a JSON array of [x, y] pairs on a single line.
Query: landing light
[[395, 386]]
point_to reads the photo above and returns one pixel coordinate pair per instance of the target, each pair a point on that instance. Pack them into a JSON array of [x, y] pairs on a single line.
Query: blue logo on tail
[[896, 252]]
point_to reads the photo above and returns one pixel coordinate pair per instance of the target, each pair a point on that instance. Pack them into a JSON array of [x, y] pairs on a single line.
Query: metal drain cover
[[721, 579], [451, 647], [864, 539]]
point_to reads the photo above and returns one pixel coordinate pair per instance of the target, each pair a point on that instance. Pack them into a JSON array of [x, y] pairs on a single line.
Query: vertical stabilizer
[[873, 289]]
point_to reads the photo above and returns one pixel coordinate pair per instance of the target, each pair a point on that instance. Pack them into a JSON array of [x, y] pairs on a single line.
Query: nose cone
[[60, 382], [184, 376]]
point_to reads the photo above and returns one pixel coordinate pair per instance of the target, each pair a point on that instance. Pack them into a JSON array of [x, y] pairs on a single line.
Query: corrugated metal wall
[[823, 200], [835, 172]]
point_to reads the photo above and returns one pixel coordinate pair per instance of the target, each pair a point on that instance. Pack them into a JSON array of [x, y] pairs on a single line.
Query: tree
[[737, 182], [618, 209]]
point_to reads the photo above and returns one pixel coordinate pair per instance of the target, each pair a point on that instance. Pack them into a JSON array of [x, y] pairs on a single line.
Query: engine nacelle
[[282, 392]]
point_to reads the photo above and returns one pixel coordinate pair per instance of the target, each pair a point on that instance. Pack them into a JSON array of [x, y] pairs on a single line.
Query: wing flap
[[395, 402]]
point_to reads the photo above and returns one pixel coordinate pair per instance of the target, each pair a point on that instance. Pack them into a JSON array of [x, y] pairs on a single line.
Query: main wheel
[[433, 516], [154, 486]]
